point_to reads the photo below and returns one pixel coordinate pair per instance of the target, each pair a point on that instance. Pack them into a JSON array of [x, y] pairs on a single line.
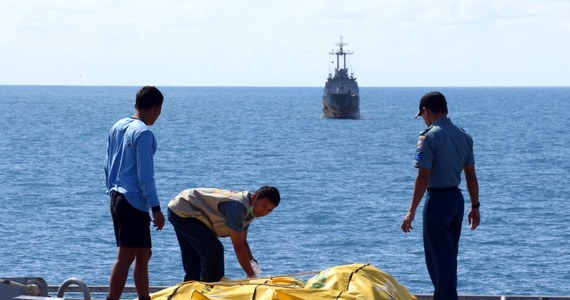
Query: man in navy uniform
[[443, 151]]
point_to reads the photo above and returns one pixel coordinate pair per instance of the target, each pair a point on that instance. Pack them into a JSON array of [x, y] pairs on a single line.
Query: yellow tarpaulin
[[350, 282]]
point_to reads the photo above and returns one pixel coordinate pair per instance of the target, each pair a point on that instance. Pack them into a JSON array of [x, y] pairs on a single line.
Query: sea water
[[345, 184]]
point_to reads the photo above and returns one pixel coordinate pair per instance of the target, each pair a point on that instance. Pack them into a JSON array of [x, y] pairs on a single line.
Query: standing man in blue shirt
[[129, 174], [443, 151]]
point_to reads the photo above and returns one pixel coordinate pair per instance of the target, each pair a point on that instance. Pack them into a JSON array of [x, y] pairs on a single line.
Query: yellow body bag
[[350, 282]]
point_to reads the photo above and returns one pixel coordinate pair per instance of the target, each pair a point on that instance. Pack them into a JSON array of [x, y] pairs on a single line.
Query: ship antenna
[[341, 52], [341, 44]]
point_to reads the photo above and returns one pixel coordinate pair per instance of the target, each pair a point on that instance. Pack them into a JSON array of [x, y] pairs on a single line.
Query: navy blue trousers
[[442, 218], [202, 251]]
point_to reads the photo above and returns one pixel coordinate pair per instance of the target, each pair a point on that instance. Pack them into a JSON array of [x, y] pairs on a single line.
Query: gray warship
[[341, 99]]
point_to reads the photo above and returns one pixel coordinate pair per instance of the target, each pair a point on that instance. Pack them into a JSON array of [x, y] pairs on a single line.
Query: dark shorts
[[132, 226]]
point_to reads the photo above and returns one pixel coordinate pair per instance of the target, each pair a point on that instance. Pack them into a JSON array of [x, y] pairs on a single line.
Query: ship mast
[[341, 52]]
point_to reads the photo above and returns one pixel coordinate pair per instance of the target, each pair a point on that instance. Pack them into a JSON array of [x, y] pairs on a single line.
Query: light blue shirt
[[129, 165], [445, 150]]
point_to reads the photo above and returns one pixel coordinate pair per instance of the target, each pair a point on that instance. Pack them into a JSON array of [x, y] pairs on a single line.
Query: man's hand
[[407, 222], [474, 218], [158, 219]]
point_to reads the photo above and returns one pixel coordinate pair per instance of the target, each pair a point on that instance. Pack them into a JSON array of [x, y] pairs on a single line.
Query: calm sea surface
[[345, 184]]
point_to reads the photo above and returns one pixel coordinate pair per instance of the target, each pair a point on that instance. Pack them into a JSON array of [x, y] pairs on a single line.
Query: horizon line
[[286, 86]]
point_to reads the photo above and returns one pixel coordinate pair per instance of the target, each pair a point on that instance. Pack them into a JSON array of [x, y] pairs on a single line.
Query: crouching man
[[200, 216]]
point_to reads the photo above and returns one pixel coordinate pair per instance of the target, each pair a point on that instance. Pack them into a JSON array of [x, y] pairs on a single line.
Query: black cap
[[435, 101]]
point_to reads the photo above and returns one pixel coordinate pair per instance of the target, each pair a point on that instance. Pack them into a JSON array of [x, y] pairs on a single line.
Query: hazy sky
[[285, 42]]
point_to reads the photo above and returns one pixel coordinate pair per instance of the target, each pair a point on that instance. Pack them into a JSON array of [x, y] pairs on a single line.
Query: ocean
[[345, 184]]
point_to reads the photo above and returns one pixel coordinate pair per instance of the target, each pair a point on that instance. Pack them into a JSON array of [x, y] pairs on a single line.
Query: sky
[[395, 43]]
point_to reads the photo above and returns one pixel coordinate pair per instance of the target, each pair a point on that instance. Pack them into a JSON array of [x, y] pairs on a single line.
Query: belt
[[443, 189]]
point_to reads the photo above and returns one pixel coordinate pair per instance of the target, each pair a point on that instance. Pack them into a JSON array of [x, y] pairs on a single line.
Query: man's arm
[[241, 248], [145, 169], [473, 188], [247, 245], [420, 185]]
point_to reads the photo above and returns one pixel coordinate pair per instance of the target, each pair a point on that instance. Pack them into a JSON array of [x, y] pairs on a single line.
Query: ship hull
[[341, 106]]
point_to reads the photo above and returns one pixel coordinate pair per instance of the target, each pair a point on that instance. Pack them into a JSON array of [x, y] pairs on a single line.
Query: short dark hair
[[435, 101], [269, 192], [148, 97]]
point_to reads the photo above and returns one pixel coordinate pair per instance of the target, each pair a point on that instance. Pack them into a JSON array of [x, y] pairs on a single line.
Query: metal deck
[[99, 292]]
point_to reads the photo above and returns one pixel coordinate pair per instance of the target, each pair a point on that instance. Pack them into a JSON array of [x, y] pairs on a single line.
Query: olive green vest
[[202, 204]]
